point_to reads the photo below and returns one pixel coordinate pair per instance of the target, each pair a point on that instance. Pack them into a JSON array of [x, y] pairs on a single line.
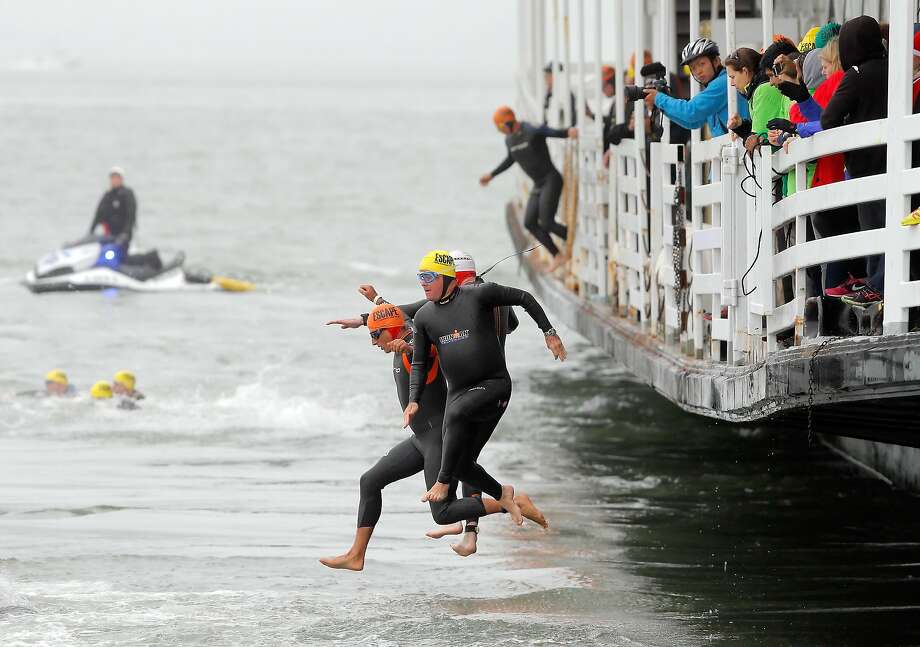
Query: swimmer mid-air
[[458, 323], [420, 452]]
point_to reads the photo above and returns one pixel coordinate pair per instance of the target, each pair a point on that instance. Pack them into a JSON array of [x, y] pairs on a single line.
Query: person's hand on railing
[[776, 137], [740, 128], [573, 133], [782, 124], [485, 179], [752, 143]]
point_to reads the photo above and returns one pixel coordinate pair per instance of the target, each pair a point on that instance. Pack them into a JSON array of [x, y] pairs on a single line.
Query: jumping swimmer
[[420, 452], [458, 322], [526, 145]]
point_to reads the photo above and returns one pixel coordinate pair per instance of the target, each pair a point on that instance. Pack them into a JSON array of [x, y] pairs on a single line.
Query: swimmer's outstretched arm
[[495, 294]]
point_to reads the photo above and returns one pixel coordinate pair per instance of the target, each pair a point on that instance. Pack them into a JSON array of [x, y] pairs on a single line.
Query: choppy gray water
[[198, 520]]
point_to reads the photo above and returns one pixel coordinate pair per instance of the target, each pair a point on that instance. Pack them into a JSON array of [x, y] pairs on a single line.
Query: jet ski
[[97, 263]]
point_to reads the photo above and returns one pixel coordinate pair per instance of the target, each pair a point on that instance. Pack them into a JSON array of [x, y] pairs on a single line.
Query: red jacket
[[829, 168]]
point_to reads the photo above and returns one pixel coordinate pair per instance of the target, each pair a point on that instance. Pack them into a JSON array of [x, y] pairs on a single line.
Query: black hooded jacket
[[863, 92]]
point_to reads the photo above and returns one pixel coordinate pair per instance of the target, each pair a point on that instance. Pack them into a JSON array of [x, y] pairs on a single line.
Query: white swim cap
[[463, 262], [117, 170]]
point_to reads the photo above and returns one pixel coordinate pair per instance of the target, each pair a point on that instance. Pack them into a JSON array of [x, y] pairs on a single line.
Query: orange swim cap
[[504, 118], [385, 316]]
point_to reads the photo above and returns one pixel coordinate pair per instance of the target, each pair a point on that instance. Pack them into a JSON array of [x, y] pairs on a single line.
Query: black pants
[[409, 457], [834, 222], [469, 420], [872, 216], [540, 216]]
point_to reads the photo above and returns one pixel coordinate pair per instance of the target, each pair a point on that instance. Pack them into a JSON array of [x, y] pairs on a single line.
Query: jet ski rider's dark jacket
[[117, 213]]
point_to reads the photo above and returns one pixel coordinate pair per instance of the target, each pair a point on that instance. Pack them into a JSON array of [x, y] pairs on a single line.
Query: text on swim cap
[[443, 259], [386, 313]]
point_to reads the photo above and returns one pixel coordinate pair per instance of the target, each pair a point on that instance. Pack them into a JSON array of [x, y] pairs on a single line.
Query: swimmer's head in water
[[101, 391], [123, 383], [465, 267], [386, 323], [436, 274], [56, 382], [504, 119]]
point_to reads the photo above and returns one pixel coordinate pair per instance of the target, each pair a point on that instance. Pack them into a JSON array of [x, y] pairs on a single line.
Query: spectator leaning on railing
[[862, 95], [709, 106]]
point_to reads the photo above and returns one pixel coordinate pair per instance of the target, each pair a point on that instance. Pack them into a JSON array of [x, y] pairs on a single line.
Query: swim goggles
[[427, 278], [375, 334]]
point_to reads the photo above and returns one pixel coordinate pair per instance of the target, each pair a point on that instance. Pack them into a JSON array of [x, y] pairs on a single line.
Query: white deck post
[[597, 176], [694, 171], [617, 285], [566, 90], [899, 160], [766, 13], [639, 135]]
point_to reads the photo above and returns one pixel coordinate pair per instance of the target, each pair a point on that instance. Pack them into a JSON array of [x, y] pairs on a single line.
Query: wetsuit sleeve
[[842, 103], [420, 346], [504, 166], [493, 294], [546, 131], [130, 219], [411, 309], [98, 217]]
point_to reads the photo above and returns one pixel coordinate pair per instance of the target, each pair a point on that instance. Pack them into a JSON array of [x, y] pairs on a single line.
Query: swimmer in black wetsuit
[[420, 452], [458, 323], [527, 146], [505, 323]]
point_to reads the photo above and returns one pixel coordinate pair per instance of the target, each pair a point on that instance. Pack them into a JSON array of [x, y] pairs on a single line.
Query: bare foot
[[508, 503], [466, 546], [443, 531], [347, 562], [530, 511], [438, 492], [557, 262]]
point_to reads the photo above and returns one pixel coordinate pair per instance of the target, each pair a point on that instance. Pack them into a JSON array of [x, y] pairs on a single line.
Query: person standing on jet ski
[[117, 210]]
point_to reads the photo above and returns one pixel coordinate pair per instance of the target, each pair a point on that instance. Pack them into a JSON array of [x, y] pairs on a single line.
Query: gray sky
[[280, 37]]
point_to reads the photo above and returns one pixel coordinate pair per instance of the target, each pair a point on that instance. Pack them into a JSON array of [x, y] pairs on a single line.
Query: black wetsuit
[[422, 451], [527, 147], [462, 329], [505, 322], [117, 212]]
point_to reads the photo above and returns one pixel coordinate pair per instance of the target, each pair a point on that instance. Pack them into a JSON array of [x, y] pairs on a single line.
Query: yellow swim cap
[[440, 261], [101, 391], [126, 379], [57, 376]]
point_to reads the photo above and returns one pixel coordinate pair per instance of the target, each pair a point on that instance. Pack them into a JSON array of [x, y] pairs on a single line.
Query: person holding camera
[[710, 106]]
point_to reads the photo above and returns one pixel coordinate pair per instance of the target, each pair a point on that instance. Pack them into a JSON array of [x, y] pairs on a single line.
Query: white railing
[[683, 253]]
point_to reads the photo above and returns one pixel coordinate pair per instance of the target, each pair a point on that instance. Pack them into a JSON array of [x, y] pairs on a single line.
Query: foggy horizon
[[274, 40]]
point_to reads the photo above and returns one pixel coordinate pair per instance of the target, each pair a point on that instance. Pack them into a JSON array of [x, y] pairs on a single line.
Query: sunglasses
[[375, 334], [427, 278]]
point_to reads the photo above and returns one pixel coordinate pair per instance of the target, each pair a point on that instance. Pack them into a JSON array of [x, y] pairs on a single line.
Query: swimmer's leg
[[400, 462]]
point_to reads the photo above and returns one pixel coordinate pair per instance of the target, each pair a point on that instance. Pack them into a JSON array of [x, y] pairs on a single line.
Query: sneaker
[[846, 289], [913, 218], [865, 297]]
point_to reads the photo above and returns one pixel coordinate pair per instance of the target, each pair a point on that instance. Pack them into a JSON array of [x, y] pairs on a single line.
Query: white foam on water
[[11, 599]]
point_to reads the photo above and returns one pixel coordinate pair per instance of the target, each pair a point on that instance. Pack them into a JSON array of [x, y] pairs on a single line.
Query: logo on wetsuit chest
[[457, 335], [521, 146]]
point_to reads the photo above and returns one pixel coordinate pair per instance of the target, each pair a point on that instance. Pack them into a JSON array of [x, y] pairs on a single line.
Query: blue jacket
[[708, 107]]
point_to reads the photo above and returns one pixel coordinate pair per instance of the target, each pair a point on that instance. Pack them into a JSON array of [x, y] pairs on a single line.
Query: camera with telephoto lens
[[655, 75]]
